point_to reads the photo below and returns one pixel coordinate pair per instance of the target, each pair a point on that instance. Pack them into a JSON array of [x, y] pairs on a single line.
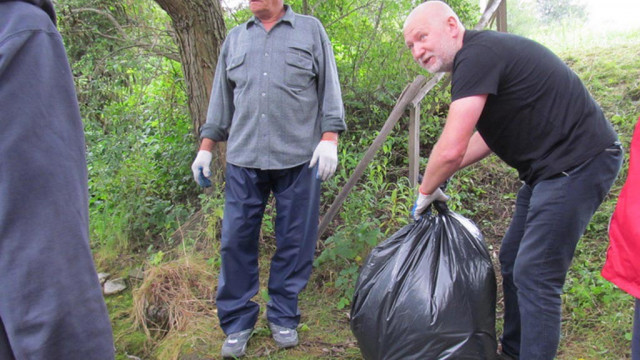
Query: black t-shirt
[[539, 118]]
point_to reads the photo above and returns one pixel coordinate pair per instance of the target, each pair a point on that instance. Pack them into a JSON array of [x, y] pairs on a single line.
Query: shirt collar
[[289, 16]]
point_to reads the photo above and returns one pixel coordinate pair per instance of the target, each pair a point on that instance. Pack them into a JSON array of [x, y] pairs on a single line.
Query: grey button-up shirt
[[274, 93]]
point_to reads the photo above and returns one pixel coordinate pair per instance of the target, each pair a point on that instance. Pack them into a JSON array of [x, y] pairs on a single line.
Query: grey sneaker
[[235, 344], [284, 337]]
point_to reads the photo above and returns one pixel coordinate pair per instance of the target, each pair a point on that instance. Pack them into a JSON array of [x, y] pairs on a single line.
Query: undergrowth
[[597, 316]]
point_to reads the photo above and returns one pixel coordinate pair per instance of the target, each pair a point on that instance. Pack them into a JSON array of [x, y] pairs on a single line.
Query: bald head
[[434, 34], [435, 12]]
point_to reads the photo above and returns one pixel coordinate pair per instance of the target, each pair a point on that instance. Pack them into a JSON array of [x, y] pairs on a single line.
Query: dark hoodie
[[51, 303]]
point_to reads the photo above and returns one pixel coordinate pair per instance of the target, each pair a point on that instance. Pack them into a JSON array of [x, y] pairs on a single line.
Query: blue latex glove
[[203, 180]]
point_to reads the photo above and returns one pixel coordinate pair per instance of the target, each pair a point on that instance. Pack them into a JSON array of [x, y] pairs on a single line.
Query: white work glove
[[326, 155], [202, 163], [423, 202]]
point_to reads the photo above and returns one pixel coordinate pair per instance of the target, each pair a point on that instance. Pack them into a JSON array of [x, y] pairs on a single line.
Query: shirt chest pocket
[[237, 71], [299, 72]]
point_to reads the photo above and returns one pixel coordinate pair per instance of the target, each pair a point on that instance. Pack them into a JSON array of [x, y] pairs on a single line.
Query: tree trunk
[[200, 31]]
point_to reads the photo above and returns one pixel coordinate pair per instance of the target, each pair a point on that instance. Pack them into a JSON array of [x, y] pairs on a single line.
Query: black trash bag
[[428, 292]]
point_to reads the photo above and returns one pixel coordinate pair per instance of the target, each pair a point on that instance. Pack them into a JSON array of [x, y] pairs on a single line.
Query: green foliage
[[551, 11], [378, 206], [519, 17], [129, 340], [139, 155], [344, 252], [156, 258], [137, 128], [213, 210], [559, 18], [106, 41]]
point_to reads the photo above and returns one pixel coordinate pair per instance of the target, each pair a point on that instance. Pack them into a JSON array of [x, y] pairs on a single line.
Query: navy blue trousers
[[538, 247], [297, 195], [635, 341]]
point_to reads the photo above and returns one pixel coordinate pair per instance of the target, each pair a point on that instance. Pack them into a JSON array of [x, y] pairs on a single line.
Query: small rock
[[136, 274], [103, 277], [114, 286]]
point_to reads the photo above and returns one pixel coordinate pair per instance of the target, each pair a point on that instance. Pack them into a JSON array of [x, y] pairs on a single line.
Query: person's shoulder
[[492, 41], [23, 15], [243, 25], [481, 40], [236, 31], [304, 17], [483, 36], [496, 37], [238, 28], [18, 16], [308, 20]]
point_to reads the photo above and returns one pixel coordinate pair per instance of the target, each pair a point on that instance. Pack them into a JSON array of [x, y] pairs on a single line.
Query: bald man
[[513, 97]]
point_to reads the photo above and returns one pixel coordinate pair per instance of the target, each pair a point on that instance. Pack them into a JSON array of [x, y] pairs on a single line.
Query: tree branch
[[349, 13], [150, 47], [106, 14]]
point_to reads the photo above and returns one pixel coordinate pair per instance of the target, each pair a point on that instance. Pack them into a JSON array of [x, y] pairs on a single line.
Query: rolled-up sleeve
[[330, 96]]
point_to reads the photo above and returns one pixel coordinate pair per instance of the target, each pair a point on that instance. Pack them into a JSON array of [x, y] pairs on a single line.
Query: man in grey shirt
[[276, 102]]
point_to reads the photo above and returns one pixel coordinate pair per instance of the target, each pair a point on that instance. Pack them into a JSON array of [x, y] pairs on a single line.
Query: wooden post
[[501, 16], [414, 143], [404, 100], [488, 14]]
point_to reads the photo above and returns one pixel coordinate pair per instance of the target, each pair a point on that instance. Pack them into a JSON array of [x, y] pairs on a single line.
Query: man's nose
[[417, 50]]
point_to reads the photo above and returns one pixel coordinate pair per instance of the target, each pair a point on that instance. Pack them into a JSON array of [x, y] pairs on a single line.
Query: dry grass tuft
[[172, 295]]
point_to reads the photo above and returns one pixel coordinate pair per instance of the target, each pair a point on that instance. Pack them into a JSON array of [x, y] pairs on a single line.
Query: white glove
[[326, 155], [202, 161], [423, 202]]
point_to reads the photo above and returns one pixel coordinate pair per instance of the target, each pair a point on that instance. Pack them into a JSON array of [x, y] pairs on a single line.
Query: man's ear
[[453, 26]]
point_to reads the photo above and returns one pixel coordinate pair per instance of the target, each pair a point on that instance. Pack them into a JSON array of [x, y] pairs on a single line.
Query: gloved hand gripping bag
[[428, 292]]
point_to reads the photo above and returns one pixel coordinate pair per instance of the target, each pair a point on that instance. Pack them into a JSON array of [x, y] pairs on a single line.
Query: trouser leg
[[635, 340], [246, 195], [5, 347], [51, 302], [508, 251], [297, 194], [558, 212]]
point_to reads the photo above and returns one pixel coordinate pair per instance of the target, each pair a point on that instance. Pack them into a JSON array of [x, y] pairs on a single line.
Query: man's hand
[[424, 200], [326, 155], [202, 164]]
